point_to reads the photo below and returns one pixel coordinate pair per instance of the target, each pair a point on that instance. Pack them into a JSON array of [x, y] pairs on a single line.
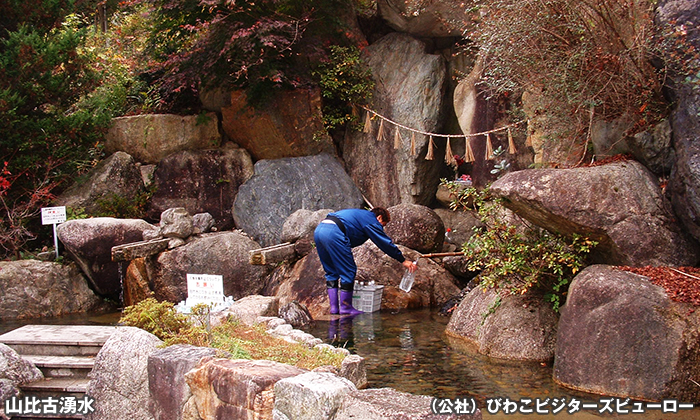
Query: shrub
[[514, 260], [44, 137], [238, 340], [158, 318], [344, 79], [579, 58]]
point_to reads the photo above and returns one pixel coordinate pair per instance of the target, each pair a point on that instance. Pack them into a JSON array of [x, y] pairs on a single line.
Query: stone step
[[58, 340], [62, 366], [55, 386]]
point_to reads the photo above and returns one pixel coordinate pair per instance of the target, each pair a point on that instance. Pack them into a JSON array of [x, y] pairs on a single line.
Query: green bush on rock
[[517, 260]]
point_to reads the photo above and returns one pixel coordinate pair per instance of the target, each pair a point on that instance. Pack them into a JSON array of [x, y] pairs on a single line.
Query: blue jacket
[[361, 225]]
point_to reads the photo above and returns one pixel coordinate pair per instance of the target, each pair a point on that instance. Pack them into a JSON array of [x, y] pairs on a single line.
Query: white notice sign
[[53, 215], [205, 288]]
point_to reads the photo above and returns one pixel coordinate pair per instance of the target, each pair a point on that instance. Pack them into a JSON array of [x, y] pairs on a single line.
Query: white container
[[367, 298], [407, 281]]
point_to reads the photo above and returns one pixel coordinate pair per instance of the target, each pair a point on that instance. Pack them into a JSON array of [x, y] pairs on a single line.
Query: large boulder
[[201, 181], [311, 396], [620, 205], [222, 253], [304, 281], [302, 223], [427, 19], [115, 178], [516, 327], [684, 184], [417, 227], [119, 379], [621, 335], [151, 137], [89, 242], [237, 389], [166, 378], [291, 125], [37, 289], [281, 187], [413, 98], [387, 403]]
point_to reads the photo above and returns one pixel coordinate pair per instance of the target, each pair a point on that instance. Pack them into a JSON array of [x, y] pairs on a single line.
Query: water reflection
[[409, 351]]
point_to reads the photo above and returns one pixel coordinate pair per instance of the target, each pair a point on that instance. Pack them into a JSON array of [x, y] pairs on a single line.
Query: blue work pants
[[335, 253]]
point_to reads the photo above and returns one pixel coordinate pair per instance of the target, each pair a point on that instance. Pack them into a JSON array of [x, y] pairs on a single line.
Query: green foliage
[[114, 205], [158, 318], [345, 80], [517, 260], [238, 340], [45, 138]]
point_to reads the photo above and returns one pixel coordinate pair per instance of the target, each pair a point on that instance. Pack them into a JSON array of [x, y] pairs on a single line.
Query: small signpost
[[53, 216], [206, 289]]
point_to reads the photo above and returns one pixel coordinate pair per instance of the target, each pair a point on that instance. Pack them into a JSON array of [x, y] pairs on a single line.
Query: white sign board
[[205, 288], [53, 215]]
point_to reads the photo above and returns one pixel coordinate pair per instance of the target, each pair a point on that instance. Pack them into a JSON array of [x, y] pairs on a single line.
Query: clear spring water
[[409, 351]]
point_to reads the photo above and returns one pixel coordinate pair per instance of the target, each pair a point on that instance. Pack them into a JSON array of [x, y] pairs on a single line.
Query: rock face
[[386, 403], [116, 177], [461, 225], [302, 223], [621, 335], [654, 148], [416, 227], [620, 205], [119, 380], [290, 126], [151, 137], [517, 327], [312, 395], [15, 369], [409, 90], [203, 181], [248, 309], [36, 289], [281, 187], [305, 283], [89, 242], [222, 253], [684, 185], [166, 378], [237, 389], [431, 19]]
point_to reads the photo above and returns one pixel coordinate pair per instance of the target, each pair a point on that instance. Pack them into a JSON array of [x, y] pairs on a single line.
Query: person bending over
[[336, 236]]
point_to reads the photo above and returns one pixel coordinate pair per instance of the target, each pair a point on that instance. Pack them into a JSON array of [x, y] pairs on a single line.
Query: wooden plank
[[128, 252], [272, 254]]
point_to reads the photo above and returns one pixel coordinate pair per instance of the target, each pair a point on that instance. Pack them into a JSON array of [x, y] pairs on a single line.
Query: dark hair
[[381, 211]]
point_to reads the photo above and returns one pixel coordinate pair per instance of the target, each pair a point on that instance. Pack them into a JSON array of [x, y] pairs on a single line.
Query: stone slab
[[58, 385], [66, 362], [69, 335]]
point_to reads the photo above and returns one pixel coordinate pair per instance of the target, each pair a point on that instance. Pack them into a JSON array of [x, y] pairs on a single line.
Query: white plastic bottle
[[407, 280]]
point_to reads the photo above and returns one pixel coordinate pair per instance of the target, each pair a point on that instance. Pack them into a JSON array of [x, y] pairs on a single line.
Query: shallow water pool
[[409, 351]]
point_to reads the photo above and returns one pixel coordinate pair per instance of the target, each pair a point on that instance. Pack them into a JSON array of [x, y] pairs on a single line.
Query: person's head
[[382, 215]]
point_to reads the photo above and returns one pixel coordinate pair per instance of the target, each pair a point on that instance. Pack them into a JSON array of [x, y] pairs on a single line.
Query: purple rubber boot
[[333, 299], [346, 303]]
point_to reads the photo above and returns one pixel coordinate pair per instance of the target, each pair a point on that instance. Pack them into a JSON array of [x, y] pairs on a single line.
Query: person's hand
[[410, 265]]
